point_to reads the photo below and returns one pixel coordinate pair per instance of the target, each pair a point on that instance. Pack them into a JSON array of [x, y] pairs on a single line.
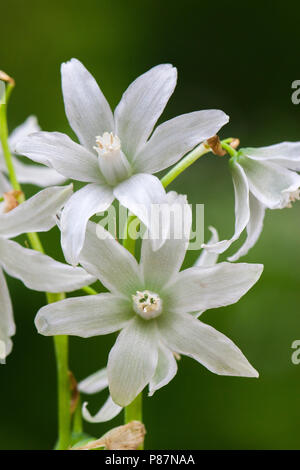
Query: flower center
[[112, 161], [147, 304], [107, 144]]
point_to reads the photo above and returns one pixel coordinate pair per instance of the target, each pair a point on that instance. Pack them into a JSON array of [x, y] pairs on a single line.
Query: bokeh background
[[240, 57]]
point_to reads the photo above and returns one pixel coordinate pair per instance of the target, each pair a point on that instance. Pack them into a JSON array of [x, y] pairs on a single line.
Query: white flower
[[144, 351], [33, 174], [98, 381], [36, 270], [263, 178], [117, 154]]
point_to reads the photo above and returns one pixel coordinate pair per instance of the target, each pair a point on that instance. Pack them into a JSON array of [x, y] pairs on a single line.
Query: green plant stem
[[133, 412], [6, 150], [230, 150], [89, 290], [189, 159], [60, 342], [184, 163], [77, 418]]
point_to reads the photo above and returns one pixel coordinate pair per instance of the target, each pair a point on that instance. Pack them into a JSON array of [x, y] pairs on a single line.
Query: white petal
[[27, 127], [40, 272], [289, 151], [173, 139], [82, 205], [165, 371], [254, 227], [187, 335], [132, 361], [94, 383], [242, 211], [160, 265], [200, 288], [85, 316], [58, 151], [143, 194], [4, 184], [107, 259], [108, 411], [270, 183], [209, 258], [7, 324], [37, 214], [87, 110], [141, 105], [37, 174]]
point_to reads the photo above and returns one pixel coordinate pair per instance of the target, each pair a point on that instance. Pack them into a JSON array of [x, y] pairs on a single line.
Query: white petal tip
[[41, 324]]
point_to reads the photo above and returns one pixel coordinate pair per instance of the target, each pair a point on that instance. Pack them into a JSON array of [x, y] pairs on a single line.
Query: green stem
[[128, 242], [89, 290], [190, 158], [183, 164], [77, 419], [133, 412], [230, 150], [6, 150], [60, 342]]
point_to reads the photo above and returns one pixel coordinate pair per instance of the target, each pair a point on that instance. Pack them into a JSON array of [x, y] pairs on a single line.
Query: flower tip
[[41, 324]]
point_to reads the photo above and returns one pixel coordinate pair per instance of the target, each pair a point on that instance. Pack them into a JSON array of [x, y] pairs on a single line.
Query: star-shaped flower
[[118, 153], [36, 270], [155, 306], [263, 178]]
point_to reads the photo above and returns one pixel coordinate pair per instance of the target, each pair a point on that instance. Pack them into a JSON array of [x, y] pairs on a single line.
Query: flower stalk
[[60, 342]]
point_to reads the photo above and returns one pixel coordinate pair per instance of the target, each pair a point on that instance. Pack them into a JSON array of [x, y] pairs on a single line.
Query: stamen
[[147, 304]]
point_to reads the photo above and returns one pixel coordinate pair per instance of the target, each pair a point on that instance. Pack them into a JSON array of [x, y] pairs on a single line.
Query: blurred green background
[[240, 57]]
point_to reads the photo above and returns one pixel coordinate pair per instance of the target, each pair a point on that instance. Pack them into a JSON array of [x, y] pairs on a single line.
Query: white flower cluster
[[153, 303]]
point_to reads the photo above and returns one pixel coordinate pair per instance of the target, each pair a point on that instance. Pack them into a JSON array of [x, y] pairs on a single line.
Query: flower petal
[[108, 411], [160, 265], [165, 371], [187, 335], [141, 105], [143, 194], [94, 383], [107, 259], [29, 126], [288, 151], [7, 324], [242, 211], [201, 288], [58, 151], [132, 361], [37, 174], [270, 183], [82, 205], [173, 139], [37, 214], [40, 272], [84, 316], [209, 258], [88, 112], [254, 227], [4, 184]]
